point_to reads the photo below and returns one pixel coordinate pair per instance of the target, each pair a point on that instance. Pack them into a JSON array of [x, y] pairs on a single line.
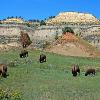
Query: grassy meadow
[[51, 80]]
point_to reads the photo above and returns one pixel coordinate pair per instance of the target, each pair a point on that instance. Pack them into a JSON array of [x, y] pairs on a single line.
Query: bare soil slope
[[71, 45]]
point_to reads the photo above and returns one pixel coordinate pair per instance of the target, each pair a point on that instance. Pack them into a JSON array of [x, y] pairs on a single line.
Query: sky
[[41, 9]]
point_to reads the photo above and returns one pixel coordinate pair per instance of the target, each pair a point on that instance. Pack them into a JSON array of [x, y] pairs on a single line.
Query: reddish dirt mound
[[68, 37], [71, 45]]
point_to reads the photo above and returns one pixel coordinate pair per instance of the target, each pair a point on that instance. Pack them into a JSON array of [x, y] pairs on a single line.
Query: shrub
[[10, 95], [56, 36], [42, 23], [46, 44], [11, 64], [67, 29]]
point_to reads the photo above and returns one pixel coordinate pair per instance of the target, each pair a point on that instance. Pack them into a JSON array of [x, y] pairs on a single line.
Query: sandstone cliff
[[73, 17]]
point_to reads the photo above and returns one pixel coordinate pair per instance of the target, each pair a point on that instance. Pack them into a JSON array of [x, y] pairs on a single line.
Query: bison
[[42, 58], [75, 70], [3, 70], [90, 71], [23, 54]]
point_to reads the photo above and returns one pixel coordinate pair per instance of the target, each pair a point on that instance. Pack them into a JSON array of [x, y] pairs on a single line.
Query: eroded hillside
[[71, 45]]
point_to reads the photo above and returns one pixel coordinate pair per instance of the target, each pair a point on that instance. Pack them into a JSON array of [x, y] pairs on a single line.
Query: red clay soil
[[68, 37], [69, 44]]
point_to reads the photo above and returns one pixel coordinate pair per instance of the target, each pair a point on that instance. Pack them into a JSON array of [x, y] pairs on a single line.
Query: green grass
[[51, 80]]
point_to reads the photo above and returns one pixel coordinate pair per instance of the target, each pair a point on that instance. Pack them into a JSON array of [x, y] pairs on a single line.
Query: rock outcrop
[[73, 17]]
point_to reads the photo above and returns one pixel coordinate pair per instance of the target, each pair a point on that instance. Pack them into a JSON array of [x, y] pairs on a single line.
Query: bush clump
[[10, 95], [12, 64], [67, 29]]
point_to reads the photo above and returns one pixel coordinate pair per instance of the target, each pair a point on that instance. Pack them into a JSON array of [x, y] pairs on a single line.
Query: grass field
[[51, 80]]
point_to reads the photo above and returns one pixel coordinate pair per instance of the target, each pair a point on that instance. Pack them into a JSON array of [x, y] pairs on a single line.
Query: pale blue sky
[[40, 9]]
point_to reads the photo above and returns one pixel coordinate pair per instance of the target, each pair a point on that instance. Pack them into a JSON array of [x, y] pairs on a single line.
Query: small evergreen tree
[[42, 23], [67, 29], [56, 36]]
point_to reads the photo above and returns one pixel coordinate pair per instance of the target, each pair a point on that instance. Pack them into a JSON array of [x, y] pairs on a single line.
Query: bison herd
[[24, 53], [76, 69], [42, 58]]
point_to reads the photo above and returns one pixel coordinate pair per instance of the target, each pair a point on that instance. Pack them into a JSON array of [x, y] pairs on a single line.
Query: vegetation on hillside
[[67, 29], [34, 20], [89, 48], [56, 35], [42, 22], [50, 17]]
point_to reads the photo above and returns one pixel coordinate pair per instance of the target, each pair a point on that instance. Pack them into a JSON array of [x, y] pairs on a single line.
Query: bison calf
[[90, 71]]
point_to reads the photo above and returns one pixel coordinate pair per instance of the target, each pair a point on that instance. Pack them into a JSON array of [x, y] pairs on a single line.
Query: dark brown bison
[[42, 58], [75, 70], [23, 54], [3, 70], [90, 71]]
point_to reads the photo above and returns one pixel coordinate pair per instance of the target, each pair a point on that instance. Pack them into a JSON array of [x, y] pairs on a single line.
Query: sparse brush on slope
[[88, 47], [69, 44]]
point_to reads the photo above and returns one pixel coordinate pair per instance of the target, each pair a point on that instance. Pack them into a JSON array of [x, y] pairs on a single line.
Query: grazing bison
[[42, 58], [3, 70], [23, 54], [90, 71], [75, 70]]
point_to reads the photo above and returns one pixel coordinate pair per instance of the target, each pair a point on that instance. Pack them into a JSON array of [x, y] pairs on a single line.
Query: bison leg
[[75, 74], [79, 72], [45, 60], [4, 74], [86, 74], [20, 56], [41, 61], [93, 73], [27, 54]]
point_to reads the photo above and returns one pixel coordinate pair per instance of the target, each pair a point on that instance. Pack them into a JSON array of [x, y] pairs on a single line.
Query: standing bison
[[90, 71], [42, 58], [23, 54], [75, 70], [3, 70]]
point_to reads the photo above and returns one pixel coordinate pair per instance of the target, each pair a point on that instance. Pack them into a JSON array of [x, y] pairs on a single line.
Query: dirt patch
[[68, 49], [71, 45]]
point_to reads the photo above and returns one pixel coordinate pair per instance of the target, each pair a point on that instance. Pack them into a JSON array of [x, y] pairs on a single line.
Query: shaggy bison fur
[[75, 70], [23, 54], [89, 72], [3, 70], [42, 58]]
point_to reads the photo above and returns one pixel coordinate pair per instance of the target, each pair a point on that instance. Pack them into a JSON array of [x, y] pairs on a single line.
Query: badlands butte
[[84, 42]]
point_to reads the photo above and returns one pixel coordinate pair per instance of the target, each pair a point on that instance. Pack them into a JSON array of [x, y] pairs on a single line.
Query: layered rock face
[[73, 17], [9, 35]]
